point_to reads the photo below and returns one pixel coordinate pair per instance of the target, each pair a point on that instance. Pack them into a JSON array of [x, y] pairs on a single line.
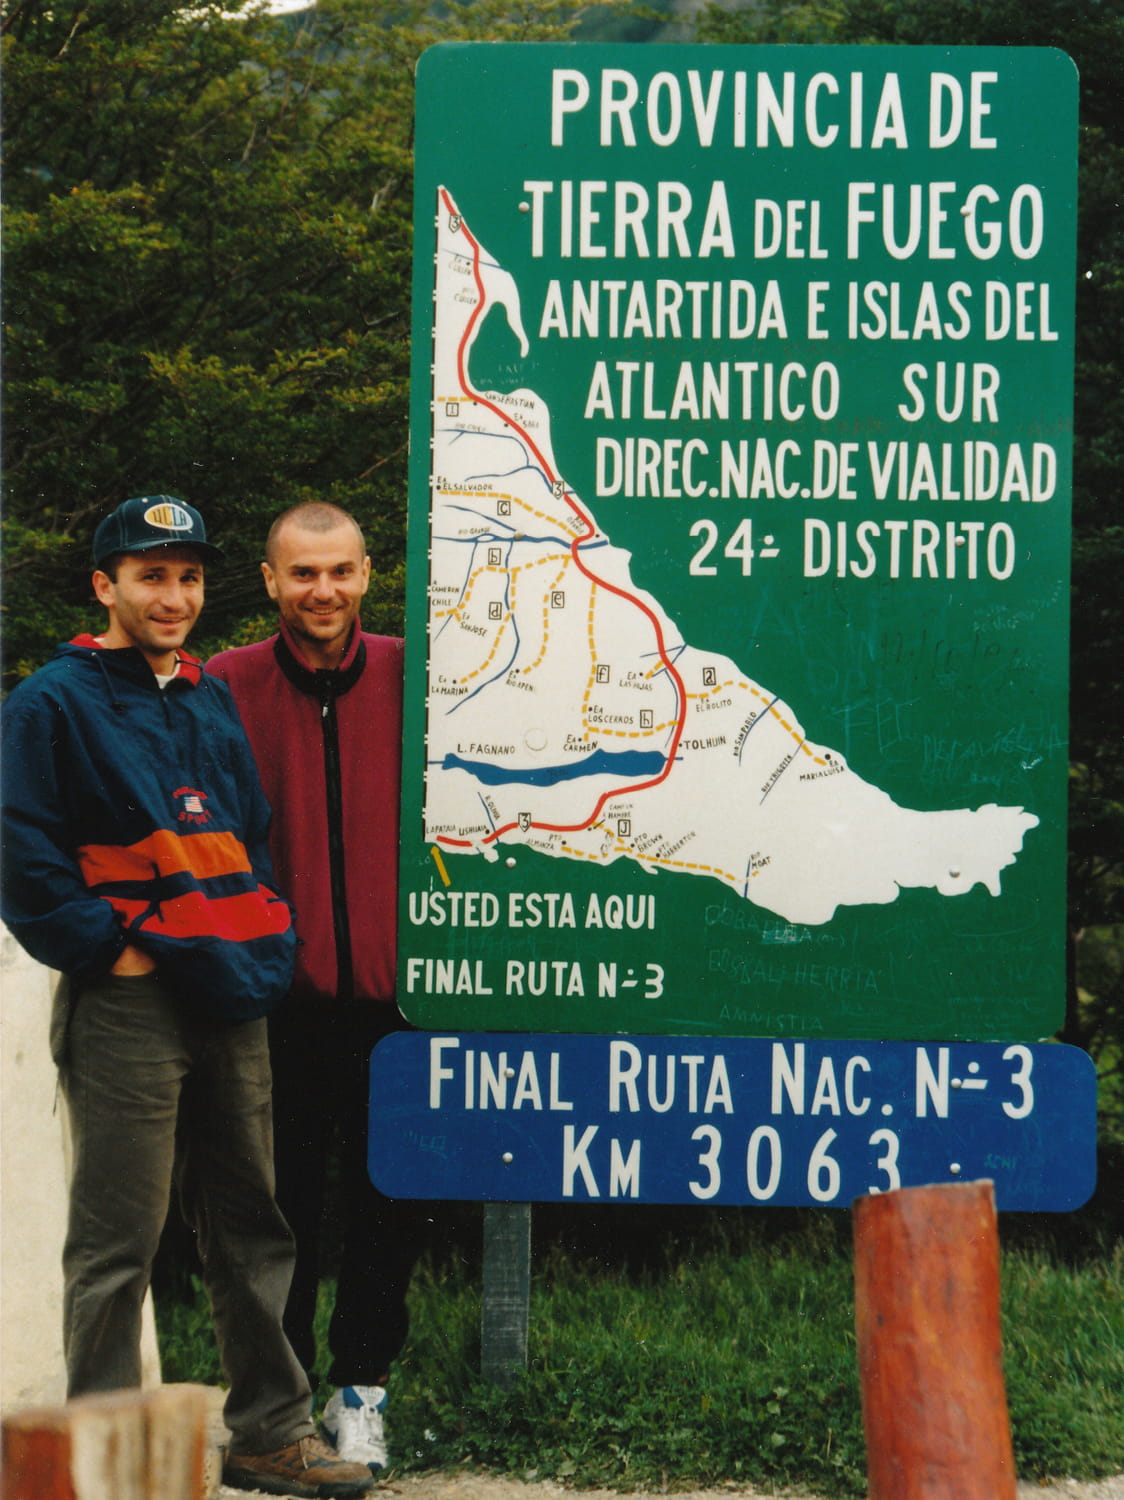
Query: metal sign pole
[[505, 1313]]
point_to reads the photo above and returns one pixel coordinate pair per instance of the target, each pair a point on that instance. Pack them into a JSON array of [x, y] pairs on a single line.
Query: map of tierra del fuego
[[567, 714]]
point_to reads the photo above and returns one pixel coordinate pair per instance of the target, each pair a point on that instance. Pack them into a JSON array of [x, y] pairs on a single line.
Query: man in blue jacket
[[137, 863]]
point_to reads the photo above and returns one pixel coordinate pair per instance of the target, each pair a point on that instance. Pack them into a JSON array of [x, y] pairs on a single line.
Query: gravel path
[[489, 1487]]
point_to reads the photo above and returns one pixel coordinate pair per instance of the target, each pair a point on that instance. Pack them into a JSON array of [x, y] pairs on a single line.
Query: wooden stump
[[124, 1445], [930, 1359]]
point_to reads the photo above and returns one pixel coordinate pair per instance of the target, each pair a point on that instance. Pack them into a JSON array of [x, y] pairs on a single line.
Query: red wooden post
[[37, 1456], [930, 1361], [124, 1445]]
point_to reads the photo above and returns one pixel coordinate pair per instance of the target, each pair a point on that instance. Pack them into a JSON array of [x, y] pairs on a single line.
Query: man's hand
[[133, 960]]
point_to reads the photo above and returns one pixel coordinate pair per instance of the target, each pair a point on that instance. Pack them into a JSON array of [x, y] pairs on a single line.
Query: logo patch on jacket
[[191, 805]]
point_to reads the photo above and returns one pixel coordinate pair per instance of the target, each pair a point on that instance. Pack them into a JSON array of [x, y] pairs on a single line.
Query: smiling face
[[318, 579], [153, 602]]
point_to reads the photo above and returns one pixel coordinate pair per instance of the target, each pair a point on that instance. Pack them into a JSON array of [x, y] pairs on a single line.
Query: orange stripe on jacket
[[203, 855], [238, 919]]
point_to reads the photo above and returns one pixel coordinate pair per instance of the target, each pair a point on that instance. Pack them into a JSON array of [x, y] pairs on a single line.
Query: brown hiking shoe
[[307, 1467]]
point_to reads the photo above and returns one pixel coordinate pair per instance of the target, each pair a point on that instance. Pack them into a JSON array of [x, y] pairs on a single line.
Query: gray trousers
[[158, 1095]]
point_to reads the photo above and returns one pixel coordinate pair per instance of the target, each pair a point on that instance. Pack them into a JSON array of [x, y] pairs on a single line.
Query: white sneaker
[[352, 1423]]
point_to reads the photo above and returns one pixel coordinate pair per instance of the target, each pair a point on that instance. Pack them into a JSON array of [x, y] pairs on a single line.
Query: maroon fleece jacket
[[328, 746]]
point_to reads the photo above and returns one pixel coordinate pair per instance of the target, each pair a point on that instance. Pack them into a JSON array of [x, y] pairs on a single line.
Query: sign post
[[534, 1118], [929, 1345], [737, 589], [737, 613]]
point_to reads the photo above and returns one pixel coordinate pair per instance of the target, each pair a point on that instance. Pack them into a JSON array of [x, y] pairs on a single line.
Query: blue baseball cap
[[152, 521]]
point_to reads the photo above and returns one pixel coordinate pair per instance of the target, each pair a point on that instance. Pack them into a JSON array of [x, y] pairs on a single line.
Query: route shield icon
[[738, 563]]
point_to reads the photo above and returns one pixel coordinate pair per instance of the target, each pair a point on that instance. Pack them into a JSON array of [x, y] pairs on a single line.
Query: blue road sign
[[552, 1118]]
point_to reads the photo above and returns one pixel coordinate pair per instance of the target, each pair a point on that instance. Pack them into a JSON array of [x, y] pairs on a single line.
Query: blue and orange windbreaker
[[134, 814]]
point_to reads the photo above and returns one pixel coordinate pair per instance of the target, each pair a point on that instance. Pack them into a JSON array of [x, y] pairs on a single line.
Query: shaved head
[[311, 515]]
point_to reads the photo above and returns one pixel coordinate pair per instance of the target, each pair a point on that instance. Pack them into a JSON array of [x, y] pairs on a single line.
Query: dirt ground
[[489, 1487], [473, 1486]]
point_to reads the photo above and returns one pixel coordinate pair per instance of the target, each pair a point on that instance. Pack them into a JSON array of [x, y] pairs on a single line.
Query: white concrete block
[[33, 1193]]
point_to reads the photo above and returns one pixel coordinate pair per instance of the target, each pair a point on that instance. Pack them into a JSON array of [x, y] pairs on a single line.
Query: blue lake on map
[[597, 763]]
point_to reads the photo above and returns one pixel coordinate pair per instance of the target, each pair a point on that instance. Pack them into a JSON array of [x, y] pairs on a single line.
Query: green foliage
[[671, 1349], [186, 1337], [735, 1365], [1065, 1392], [1100, 1019], [207, 244]]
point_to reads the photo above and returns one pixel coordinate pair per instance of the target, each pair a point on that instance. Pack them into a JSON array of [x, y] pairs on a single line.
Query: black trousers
[[320, 1056]]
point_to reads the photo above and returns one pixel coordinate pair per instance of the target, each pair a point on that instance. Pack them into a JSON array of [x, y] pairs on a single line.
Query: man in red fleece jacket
[[322, 705]]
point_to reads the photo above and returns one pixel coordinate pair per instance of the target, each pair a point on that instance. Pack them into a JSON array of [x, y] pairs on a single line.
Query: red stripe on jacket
[[236, 919]]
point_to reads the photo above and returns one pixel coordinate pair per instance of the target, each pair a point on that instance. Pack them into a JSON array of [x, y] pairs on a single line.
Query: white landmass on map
[[567, 714]]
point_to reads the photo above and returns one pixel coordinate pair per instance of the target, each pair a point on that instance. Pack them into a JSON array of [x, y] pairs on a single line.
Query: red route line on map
[[590, 532]]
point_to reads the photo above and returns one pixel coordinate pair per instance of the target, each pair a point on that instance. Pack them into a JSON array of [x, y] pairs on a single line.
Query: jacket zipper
[[333, 785]]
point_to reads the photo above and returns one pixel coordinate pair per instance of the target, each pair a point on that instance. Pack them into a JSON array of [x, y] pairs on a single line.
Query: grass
[[1063, 1339], [725, 1356], [709, 1371]]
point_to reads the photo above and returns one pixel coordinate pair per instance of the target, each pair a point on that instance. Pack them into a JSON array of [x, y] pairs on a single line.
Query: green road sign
[[739, 530]]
